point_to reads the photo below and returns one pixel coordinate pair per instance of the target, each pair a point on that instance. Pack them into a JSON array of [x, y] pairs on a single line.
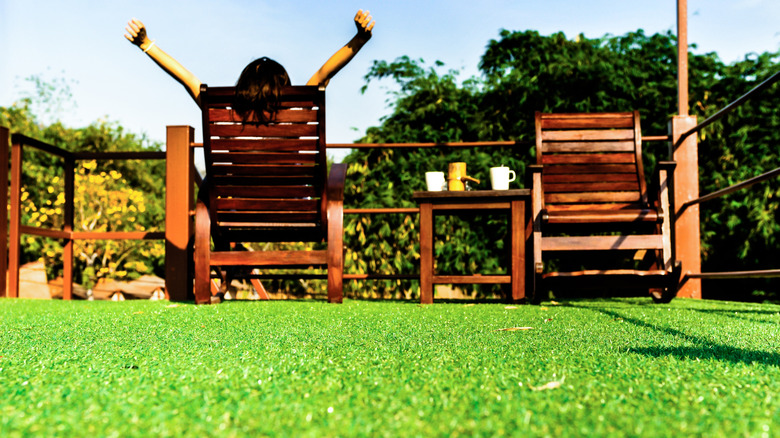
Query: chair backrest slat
[[263, 178], [591, 161]]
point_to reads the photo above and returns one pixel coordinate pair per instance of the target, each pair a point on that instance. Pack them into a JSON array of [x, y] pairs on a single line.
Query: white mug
[[435, 181], [500, 177]]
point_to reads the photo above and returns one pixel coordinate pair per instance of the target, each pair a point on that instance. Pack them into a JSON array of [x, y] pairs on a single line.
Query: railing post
[[686, 187], [68, 244], [4, 151], [179, 199], [14, 239]]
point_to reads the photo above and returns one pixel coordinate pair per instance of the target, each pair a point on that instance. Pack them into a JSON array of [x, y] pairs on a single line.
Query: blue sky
[[82, 42]]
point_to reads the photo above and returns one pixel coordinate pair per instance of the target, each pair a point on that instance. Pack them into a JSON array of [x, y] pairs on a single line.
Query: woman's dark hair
[[258, 88]]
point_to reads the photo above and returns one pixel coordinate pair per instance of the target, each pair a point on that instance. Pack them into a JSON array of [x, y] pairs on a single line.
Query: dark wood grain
[[460, 202], [267, 183], [590, 178]]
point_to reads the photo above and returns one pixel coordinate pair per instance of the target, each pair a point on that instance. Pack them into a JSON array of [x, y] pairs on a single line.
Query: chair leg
[[335, 272], [202, 254], [536, 297], [668, 293], [335, 256]]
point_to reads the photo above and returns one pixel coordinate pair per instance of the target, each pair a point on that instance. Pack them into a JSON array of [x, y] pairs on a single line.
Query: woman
[[261, 79]]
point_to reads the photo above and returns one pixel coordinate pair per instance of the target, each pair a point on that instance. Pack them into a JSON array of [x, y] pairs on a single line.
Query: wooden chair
[[267, 183], [589, 194]]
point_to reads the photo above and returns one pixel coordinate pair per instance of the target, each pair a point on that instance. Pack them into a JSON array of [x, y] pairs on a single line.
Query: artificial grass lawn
[[605, 367]]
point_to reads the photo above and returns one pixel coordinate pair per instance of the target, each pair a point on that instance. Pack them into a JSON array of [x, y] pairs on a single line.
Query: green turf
[[607, 367]]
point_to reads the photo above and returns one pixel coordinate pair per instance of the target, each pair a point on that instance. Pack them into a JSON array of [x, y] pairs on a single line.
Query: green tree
[[110, 195], [523, 72]]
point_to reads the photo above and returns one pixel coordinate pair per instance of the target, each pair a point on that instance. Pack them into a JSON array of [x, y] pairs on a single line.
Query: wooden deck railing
[[67, 233], [765, 273]]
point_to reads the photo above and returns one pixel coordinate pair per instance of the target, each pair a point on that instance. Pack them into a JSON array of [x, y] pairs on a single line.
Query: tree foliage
[[122, 195], [523, 72]]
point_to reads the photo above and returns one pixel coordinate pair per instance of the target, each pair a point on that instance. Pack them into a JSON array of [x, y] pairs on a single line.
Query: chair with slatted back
[[267, 183], [589, 194]]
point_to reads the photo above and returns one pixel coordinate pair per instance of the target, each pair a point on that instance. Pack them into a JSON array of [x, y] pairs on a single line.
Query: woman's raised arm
[[345, 54], [136, 34]]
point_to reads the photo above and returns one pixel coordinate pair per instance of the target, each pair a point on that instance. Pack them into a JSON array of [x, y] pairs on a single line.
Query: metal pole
[[682, 57]]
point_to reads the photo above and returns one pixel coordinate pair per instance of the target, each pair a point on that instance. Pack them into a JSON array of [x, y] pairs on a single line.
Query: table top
[[473, 195]]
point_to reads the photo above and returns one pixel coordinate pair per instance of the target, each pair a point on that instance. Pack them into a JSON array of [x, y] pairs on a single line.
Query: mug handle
[[514, 175]]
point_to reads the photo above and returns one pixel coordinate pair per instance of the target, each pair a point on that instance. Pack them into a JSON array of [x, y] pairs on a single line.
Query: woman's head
[[258, 89]]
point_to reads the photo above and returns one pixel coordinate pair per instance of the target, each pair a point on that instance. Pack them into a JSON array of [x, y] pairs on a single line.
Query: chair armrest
[[334, 208], [537, 214], [662, 178], [663, 184], [665, 165], [534, 175], [534, 180], [529, 174], [336, 178]]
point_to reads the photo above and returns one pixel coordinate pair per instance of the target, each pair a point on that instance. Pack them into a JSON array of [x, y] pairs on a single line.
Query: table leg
[[517, 235], [426, 253]]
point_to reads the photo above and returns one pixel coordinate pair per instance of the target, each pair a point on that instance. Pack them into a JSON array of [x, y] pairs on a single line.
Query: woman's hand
[[364, 25], [136, 34]]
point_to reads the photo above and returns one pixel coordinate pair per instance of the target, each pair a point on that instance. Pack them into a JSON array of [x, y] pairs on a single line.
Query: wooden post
[[682, 57], [517, 223], [179, 199], [14, 250], [67, 247], [426, 253], [4, 151], [686, 187], [686, 175]]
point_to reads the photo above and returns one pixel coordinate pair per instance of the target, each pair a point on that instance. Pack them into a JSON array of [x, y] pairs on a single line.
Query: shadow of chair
[[589, 195], [267, 183]]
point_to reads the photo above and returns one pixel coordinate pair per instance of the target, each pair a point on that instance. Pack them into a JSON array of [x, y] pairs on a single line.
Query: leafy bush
[[523, 72]]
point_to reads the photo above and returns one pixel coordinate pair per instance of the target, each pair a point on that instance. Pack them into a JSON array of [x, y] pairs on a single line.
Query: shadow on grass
[[703, 349]]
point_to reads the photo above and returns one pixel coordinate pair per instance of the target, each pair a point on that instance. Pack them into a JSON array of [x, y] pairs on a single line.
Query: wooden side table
[[511, 201]]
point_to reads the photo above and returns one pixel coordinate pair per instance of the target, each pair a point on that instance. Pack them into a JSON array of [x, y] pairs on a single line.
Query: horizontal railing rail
[[62, 153], [467, 144], [733, 188], [735, 275], [728, 108]]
